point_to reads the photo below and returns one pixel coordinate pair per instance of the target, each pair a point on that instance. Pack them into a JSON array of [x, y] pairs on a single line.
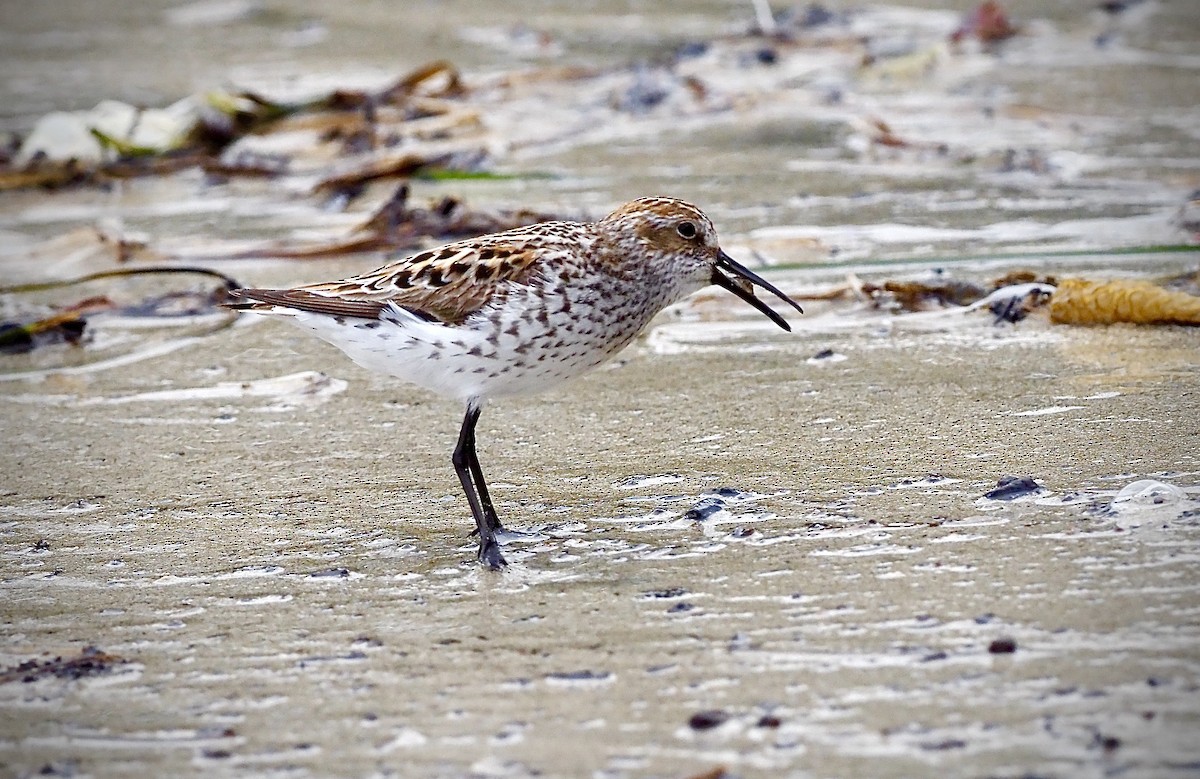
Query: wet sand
[[747, 549], [294, 588]]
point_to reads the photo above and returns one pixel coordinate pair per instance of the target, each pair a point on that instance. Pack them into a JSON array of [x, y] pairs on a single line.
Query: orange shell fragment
[[1082, 302]]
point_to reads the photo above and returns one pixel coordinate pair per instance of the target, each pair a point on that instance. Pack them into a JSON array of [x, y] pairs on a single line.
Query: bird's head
[[684, 238]]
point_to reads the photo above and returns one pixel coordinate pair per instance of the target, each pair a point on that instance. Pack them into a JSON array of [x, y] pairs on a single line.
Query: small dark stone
[[1110, 743], [669, 592], [89, 662], [766, 56], [768, 721], [692, 49], [1002, 646], [983, 619], [681, 606], [950, 743], [579, 675], [332, 573], [824, 354], [1012, 487], [727, 492], [816, 15], [705, 509], [707, 720], [929, 658], [217, 754]]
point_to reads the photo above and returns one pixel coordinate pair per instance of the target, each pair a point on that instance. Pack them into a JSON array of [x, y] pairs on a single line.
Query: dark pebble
[[332, 573], [705, 509], [681, 607], [768, 721], [727, 492], [1012, 487], [766, 56], [579, 676], [707, 720], [1002, 646], [89, 662], [929, 658], [824, 354], [669, 592], [816, 15]]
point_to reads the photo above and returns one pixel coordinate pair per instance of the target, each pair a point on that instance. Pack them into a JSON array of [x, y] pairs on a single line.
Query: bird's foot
[[489, 555]]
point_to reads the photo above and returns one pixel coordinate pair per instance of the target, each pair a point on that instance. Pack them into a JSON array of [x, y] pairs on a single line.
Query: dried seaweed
[[68, 324], [397, 226], [65, 326], [212, 123], [227, 282], [1136, 301], [89, 662], [923, 296], [447, 217], [988, 23], [390, 164]]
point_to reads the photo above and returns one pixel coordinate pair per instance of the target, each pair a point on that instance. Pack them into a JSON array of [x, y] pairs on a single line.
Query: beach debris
[[704, 509], [396, 225], [707, 720], [988, 24], [1187, 282], [1002, 646], [67, 324], [1136, 301], [1013, 487], [922, 295], [89, 662], [1017, 294], [223, 132], [1013, 302], [667, 592]]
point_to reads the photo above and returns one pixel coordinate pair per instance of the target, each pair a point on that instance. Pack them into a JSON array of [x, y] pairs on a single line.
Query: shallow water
[[744, 548]]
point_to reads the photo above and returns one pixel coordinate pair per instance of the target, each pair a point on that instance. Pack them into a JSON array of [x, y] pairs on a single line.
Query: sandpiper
[[516, 312]]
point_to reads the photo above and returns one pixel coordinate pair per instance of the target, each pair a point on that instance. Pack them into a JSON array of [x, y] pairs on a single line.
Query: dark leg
[[466, 465], [485, 500]]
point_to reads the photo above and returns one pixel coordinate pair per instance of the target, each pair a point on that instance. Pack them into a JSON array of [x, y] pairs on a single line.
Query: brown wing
[[452, 282], [266, 299]]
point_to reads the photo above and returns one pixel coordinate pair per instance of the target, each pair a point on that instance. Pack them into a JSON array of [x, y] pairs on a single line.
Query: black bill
[[727, 263]]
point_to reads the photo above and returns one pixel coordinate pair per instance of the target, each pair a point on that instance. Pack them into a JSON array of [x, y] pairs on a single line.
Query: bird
[[516, 312]]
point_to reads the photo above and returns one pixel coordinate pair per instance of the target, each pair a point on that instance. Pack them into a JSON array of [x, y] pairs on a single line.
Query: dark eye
[[686, 230]]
